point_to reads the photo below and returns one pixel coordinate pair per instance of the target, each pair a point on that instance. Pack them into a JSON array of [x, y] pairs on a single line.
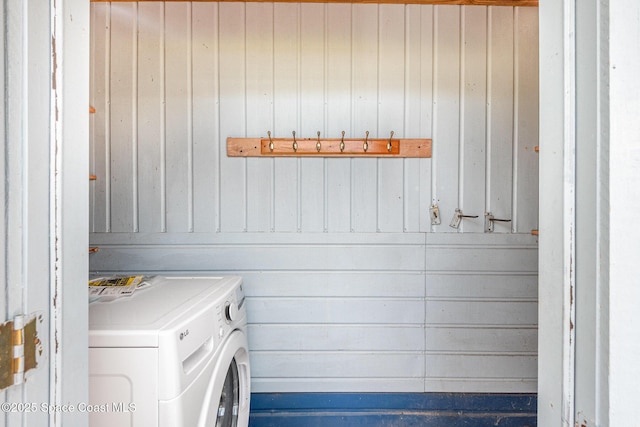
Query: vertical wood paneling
[[259, 56], [364, 98], [500, 117], [473, 120], [122, 78], [414, 210], [100, 131], [312, 113], [526, 121], [150, 111], [313, 67], [339, 77], [426, 110], [446, 116], [391, 65], [232, 173], [179, 112], [206, 116], [286, 74]]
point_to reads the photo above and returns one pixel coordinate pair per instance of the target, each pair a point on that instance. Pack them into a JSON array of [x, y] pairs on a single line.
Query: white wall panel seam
[[377, 119], [515, 122], [341, 298], [470, 379], [340, 352], [260, 271], [107, 132], [461, 112], [339, 326], [520, 326], [299, 116], [273, 121], [473, 353], [405, 115], [245, 188], [426, 95], [190, 123], [325, 115], [488, 128], [92, 121], [434, 114], [352, 120], [463, 246], [425, 332], [217, 118], [431, 272], [483, 299], [163, 122], [135, 211]]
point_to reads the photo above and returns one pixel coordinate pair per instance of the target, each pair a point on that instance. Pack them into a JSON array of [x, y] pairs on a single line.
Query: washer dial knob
[[230, 311]]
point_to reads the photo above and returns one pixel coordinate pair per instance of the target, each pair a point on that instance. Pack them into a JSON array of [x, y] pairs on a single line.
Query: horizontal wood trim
[[533, 3], [334, 147]]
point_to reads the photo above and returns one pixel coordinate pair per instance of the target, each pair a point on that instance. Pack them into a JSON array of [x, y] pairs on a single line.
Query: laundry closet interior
[[364, 275]]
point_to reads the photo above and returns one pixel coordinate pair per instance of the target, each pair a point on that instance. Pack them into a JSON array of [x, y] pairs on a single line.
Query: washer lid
[[138, 320]]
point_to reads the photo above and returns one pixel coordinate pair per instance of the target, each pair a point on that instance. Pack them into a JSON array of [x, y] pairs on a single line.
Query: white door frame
[[70, 25], [556, 275], [589, 252], [44, 218]]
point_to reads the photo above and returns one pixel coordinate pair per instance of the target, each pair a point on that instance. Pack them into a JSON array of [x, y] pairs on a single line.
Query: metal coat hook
[[295, 144], [318, 145], [270, 141], [365, 146], [489, 220], [389, 144], [342, 143], [457, 218]]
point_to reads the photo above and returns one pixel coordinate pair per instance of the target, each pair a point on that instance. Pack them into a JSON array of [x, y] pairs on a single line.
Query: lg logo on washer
[[184, 334]]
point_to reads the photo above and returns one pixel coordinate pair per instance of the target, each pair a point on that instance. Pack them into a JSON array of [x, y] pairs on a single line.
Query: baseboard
[[392, 409]]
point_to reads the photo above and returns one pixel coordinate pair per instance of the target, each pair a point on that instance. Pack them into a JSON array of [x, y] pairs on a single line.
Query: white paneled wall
[[348, 290], [171, 81]]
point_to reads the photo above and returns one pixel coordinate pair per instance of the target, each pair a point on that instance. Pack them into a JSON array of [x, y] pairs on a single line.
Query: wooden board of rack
[[328, 147], [533, 3]]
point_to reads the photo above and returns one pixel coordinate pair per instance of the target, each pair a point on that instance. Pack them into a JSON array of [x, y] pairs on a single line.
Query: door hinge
[[20, 348]]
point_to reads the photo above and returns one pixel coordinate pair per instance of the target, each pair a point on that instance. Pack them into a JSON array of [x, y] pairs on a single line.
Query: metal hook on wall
[[318, 145], [270, 141], [389, 143], [342, 143], [295, 144], [489, 220], [457, 217], [365, 146]]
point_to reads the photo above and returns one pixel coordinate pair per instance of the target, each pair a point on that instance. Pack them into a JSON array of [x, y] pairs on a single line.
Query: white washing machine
[[173, 354]]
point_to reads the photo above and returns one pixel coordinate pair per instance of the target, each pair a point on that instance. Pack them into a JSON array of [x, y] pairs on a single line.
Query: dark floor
[[392, 409]]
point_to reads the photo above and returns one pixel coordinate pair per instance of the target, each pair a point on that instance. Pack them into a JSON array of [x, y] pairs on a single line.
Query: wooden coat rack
[[328, 147]]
